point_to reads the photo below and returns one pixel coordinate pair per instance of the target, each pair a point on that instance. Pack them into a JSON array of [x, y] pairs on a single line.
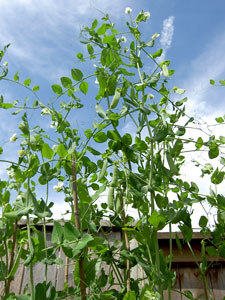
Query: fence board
[[217, 276]]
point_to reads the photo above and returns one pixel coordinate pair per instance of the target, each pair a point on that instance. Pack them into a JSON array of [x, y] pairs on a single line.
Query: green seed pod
[[115, 99], [102, 173], [114, 181], [31, 255], [118, 203], [111, 198]]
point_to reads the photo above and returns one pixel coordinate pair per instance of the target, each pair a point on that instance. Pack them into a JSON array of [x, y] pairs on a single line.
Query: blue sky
[[44, 37]]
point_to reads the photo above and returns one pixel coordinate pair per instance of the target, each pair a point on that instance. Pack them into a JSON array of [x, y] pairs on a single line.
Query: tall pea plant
[[138, 169]]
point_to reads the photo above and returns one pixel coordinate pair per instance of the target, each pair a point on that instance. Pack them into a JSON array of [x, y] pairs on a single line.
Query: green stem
[[157, 258], [207, 289], [118, 275], [170, 260], [31, 266]]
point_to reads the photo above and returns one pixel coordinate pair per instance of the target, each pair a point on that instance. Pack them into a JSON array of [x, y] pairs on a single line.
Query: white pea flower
[[5, 64], [54, 148], [147, 15], [21, 153], [59, 187], [155, 36], [11, 173], [19, 197], [150, 96], [13, 138], [123, 39], [128, 10], [96, 81], [45, 111]]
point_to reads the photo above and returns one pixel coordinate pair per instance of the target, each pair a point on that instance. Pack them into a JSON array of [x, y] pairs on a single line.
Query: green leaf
[[222, 139], [82, 243], [217, 177], [171, 164], [203, 221], [71, 233], [212, 251], [130, 295], [57, 233], [199, 143], [57, 89], [179, 246], [94, 24], [108, 39], [161, 134], [90, 49], [99, 191], [157, 53], [6, 105], [127, 139], [100, 137], [213, 152], [47, 152], [157, 221], [84, 87], [80, 56], [76, 74], [35, 88], [181, 102], [61, 150], [27, 82], [161, 201], [16, 77], [186, 231], [219, 120], [102, 29], [222, 82], [212, 82], [66, 82]]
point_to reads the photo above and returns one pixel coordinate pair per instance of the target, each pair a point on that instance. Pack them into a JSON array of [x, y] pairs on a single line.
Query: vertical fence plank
[[191, 281], [217, 277]]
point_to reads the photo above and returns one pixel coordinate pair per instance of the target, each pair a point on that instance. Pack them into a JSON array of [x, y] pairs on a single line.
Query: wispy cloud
[[167, 35], [44, 34]]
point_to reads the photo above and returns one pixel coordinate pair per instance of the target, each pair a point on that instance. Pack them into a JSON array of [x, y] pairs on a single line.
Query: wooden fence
[[187, 274]]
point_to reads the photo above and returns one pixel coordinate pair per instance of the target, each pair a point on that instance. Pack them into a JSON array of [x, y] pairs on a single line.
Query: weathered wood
[[187, 274], [217, 277], [191, 281]]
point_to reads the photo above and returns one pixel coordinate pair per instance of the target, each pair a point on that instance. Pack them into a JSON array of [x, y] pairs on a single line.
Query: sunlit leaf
[[57, 89], [84, 87]]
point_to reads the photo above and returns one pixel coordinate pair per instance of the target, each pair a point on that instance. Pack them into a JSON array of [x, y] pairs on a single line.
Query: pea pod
[[115, 99], [102, 173], [118, 203], [16, 263], [31, 255], [111, 198], [114, 181]]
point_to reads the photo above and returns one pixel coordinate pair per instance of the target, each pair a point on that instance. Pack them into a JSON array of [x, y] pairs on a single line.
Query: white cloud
[[44, 34], [166, 36]]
